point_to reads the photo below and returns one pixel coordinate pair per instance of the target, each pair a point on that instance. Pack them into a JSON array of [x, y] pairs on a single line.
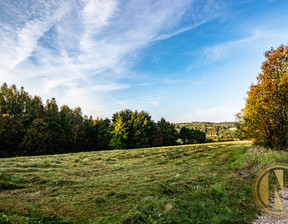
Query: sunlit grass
[[205, 183]]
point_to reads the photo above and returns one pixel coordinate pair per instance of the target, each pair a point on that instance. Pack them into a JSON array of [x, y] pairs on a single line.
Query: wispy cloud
[[19, 38], [256, 38], [218, 52], [154, 100], [81, 51]]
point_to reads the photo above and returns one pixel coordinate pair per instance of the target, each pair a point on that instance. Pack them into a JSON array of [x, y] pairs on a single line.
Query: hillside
[[217, 132], [204, 183]]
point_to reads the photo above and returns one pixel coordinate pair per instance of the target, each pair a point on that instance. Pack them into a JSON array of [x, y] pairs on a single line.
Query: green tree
[[11, 134], [135, 129], [169, 132], [74, 129], [239, 126], [192, 136], [103, 133], [66, 117], [35, 108], [90, 138], [78, 129], [266, 110], [13, 101], [185, 134], [53, 119], [119, 133], [158, 140], [142, 131], [37, 139], [198, 136]]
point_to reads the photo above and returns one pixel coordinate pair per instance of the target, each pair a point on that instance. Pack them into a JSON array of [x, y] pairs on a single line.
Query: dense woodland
[[29, 127]]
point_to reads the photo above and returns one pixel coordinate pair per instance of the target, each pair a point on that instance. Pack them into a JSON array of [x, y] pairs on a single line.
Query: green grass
[[205, 183]]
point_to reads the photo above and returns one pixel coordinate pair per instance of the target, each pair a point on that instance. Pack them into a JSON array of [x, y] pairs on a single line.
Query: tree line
[[28, 127], [215, 132]]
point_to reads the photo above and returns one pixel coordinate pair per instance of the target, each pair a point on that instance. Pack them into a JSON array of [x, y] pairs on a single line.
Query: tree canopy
[[132, 129]]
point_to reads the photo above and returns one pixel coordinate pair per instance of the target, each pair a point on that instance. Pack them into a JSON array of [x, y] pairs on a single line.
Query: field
[[205, 183]]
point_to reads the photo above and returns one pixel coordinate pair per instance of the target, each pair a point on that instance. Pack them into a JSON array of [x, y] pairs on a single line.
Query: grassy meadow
[[204, 183]]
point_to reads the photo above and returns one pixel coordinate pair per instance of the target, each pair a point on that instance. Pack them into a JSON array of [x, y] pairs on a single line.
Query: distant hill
[[222, 131]]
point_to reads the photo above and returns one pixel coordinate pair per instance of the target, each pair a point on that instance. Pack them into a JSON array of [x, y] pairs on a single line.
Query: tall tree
[[198, 136], [192, 136], [119, 133], [142, 131], [266, 110], [90, 139], [37, 139], [13, 101], [35, 108], [78, 129], [66, 117], [53, 119], [185, 134], [158, 140], [103, 133], [133, 129], [169, 132], [11, 134]]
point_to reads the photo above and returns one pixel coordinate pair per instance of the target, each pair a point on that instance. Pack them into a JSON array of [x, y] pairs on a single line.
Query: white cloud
[[80, 51], [139, 101], [20, 40]]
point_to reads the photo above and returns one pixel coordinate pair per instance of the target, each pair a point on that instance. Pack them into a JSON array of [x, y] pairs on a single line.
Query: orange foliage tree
[[265, 116]]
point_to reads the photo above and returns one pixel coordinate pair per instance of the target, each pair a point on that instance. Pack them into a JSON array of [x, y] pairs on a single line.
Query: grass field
[[205, 183]]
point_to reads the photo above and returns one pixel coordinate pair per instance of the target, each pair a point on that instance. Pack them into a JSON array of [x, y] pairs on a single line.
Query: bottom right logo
[[269, 191]]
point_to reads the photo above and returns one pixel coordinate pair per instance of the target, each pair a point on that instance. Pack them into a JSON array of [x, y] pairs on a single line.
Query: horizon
[[186, 61]]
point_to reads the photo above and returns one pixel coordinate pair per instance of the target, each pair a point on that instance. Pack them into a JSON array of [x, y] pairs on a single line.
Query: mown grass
[[205, 183]]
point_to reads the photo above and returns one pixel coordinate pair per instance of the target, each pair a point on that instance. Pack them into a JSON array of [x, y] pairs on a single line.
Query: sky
[[184, 60]]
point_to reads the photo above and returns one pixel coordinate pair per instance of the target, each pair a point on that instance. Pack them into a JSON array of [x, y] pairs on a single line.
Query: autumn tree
[[265, 114]]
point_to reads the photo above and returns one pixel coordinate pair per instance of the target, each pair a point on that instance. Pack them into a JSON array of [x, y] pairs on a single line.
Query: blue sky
[[184, 60]]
